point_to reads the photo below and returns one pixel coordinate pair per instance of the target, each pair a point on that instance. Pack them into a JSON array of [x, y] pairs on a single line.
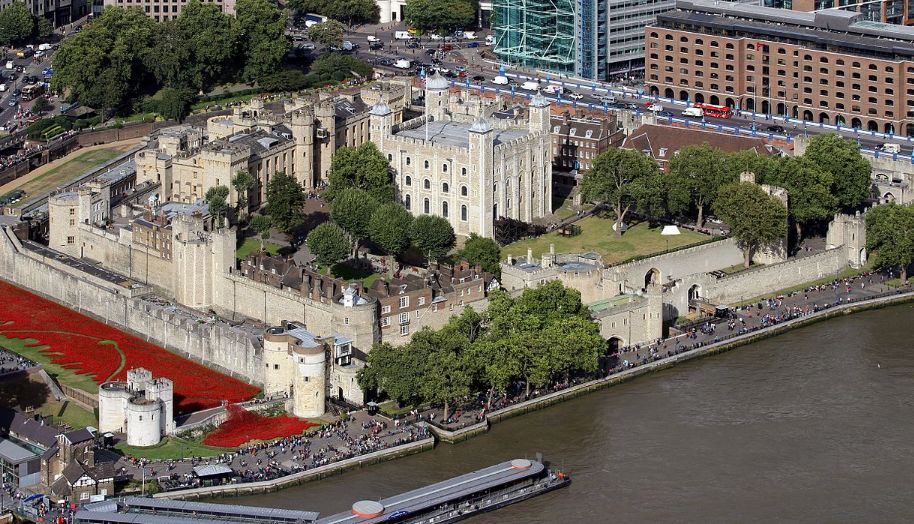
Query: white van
[[372, 39], [2, 88], [530, 85], [693, 111], [552, 89], [655, 108], [403, 64], [45, 47], [500, 80], [10, 65], [402, 35], [469, 35], [891, 148]]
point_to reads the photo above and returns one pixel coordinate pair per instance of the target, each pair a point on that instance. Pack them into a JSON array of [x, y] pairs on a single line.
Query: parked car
[[412, 44], [776, 129], [375, 46], [490, 39], [372, 39], [574, 96], [500, 80], [479, 78]]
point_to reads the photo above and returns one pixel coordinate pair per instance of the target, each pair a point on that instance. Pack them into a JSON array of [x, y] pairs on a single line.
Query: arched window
[[444, 209], [406, 202], [390, 157], [463, 213], [444, 168], [463, 171], [408, 180], [445, 188], [426, 184], [464, 191], [425, 207]]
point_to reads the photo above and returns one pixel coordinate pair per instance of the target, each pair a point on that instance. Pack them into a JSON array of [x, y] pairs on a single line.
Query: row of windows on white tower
[[444, 167], [427, 208]]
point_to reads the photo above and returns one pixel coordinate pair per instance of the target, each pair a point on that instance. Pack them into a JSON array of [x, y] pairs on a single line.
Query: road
[[587, 93]]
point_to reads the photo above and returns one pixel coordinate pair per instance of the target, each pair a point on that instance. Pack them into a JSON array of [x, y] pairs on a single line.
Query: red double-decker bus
[[715, 111]]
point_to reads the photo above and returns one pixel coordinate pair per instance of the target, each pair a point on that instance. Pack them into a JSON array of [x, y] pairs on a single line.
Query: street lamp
[[669, 231]]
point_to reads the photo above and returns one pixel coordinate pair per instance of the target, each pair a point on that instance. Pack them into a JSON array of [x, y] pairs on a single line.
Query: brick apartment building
[[830, 66]]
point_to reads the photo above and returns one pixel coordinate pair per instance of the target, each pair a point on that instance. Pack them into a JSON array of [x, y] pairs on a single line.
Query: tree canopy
[[432, 235], [389, 228], [440, 15], [482, 251], [329, 33], [756, 219], [242, 183], [352, 209], [350, 12], [623, 179], [808, 189], [262, 26], [262, 225], [890, 235], [363, 167], [328, 243], [285, 201], [695, 176], [850, 172], [542, 336], [16, 24], [215, 197]]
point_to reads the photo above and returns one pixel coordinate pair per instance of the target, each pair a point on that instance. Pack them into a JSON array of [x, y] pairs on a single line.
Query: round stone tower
[[143, 424], [309, 381], [277, 362]]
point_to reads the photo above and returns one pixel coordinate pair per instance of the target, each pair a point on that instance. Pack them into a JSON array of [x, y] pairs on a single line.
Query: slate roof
[[27, 428], [662, 142]]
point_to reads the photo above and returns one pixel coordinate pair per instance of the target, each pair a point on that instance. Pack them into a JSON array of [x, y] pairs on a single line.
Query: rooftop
[[662, 142], [12, 453], [457, 134]]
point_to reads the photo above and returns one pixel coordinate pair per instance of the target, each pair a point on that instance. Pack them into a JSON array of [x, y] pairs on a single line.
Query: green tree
[[482, 251], [444, 375], [849, 170], [394, 370], [212, 37], [242, 182], [307, 6], [352, 209], [756, 219], [262, 28], [433, 235], [749, 161], [16, 24], [389, 228], [41, 105], [352, 12], [623, 179], [695, 176], [215, 197], [171, 103], [440, 15], [363, 167], [890, 234], [44, 29], [329, 33], [101, 66], [809, 191], [262, 225], [328, 243], [285, 201], [169, 58]]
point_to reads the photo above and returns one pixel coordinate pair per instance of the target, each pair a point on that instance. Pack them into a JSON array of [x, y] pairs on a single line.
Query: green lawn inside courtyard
[[598, 236], [252, 245], [31, 349], [171, 448], [70, 169]]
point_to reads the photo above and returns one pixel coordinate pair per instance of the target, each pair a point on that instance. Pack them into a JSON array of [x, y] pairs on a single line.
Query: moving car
[[574, 96], [552, 89], [403, 64], [500, 80], [490, 39], [479, 78], [889, 148], [696, 112], [530, 85], [373, 39], [655, 108], [776, 129], [374, 46]]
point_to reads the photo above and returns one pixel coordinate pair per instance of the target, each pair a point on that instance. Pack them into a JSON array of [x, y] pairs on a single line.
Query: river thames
[[814, 425]]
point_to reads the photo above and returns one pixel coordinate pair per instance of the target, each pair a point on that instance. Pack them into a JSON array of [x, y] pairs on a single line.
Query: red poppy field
[[90, 348], [244, 426]]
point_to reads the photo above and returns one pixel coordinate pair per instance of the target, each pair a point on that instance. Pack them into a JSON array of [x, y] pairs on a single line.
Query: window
[[444, 168], [385, 321], [408, 180], [445, 187], [71, 240], [406, 202], [346, 321], [404, 330], [385, 310], [426, 207], [444, 209], [464, 191], [421, 301], [390, 157], [426, 164], [407, 161], [463, 213], [404, 302], [426, 184], [463, 171]]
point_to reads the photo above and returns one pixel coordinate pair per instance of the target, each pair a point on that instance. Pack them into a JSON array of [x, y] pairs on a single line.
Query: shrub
[[284, 81], [40, 128]]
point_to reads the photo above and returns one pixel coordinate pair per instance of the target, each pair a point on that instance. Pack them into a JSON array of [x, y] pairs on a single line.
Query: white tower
[[436, 97], [482, 156]]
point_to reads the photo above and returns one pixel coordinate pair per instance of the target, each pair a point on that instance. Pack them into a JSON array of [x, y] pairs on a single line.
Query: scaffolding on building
[[536, 33]]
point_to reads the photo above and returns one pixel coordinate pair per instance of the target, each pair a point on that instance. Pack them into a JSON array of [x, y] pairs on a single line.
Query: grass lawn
[[68, 413], [30, 393], [171, 448], [252, 245], [75, 166], [31, 349], [597, 236], [350, 274]]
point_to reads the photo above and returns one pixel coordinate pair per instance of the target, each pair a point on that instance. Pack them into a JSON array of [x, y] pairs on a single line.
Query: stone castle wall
[[712, 256], [216, 345]]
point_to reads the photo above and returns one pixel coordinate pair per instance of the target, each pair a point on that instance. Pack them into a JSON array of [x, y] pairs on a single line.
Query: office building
[[830, 66]]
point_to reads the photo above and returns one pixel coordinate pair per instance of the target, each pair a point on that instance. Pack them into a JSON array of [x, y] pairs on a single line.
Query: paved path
[[359, 434]]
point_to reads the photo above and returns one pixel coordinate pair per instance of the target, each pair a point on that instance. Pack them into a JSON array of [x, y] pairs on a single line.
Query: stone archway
[[823, 118], [695, 292], [889, 129], [782, 109], [652, 277], [699, 98], [856, 123], [807, 115], [766, 107], [684, 95], [888, 198], [862, 254], [614, 344], [750, 104], [655, 91], [715, 101], [839, 121], [872, 126], [730, 103], [668, 93]]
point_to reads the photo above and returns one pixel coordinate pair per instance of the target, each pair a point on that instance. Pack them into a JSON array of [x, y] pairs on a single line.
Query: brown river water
[[816, 425]]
